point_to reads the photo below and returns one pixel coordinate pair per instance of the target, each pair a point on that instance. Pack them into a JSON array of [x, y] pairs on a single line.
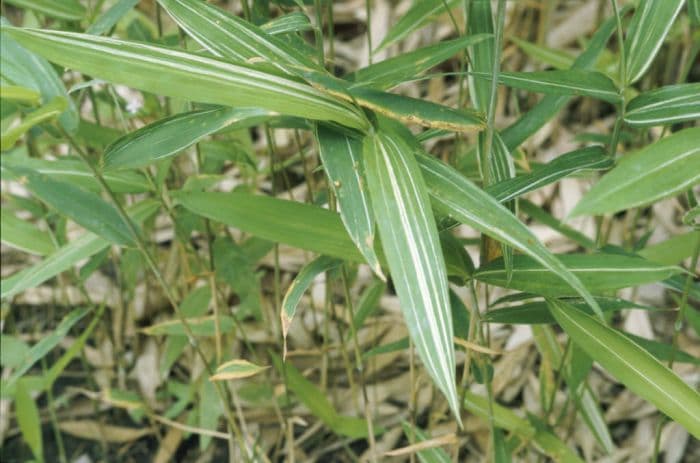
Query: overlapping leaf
[[665, 105]]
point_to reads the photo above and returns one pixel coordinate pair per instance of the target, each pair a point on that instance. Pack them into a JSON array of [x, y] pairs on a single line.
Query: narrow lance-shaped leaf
[[84, 207], [341, 156], [186, 75], [657, 171], [169, 136], [665, 105], [27, 414], [646, 33], [109, 18], [598, 272], [632, 366], [46, 113], [24, 235], [480, 20], [456, 196], [20, 94], [419, 15], [410, 241], [391, 72], [296, 290], [296, 21], [231, 37], [568, 82], [70, 10], [429, 455], [236, 369]]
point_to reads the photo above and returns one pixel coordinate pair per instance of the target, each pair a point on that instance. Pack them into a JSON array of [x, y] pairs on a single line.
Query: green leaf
[[20, 94], [68, 255], [236, 369], [24, 235], [111, 17], [70, 10], [13, 351], [28, 420], [417, 16], [581, 160], [341, 156], [200, 326], [558, 59], [296, 224], [171, 135], [599, 273], [662, 351], [391, 72], [319, 405], [46, 344], [49, 111], [569, 82], [431, 455], [509, 421], [231, 37], [209, 411], [673, 250], [646, 33], [296, 21], [21, 67], [84, 207], [480, 20], [657, 171], [299, 286], [665, 105], [186, 75], [456, 196], [368, 303], [410, 241], [632, 366]]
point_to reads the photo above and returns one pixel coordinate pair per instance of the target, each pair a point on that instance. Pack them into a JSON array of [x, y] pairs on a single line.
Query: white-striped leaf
[[185, 75], [646, 33], [410, 241], [665, 105], [341, 156], [631, 365], [657, 171], [456, 196]]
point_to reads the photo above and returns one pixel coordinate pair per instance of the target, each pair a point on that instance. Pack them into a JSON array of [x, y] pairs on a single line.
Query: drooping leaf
[[341, 156], [186, 75], [631, 365], [391, 72], [569, 82], [419, 15], [84, 207], [236, 369], [657, 171], [64, 258], [411, 244], [169, 136], [665, 105], [646, 33], [456, 196], [599, 273]]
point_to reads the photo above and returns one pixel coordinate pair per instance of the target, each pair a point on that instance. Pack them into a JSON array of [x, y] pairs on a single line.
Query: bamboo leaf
[[569, 82], [84, 207], [581, 160], [390, 72], [24, 235], [296, 21], [236, 369], [417, 16], [480, 20], [298, 287], [460, 199], [599, 273], [109, 18], [48, 112], [558, 59], [657, 171], [70, 10], [426, 455], [27, 414], [631, 365], [171, 135], [646, 33], [20, 94], [64, 258], [665, 105], [341, 156], [200, 326], [186, 75], [410, 241]]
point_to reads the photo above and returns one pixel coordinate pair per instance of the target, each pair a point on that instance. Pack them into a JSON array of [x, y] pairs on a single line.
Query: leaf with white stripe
[[665, 105], [569, 82], [646, 33], [410, 240], [459, 198], [631, 365], [341, 156], [171, 135], [296, 21], [181, 74], [657, 171], [600, 273], [231, 37]]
